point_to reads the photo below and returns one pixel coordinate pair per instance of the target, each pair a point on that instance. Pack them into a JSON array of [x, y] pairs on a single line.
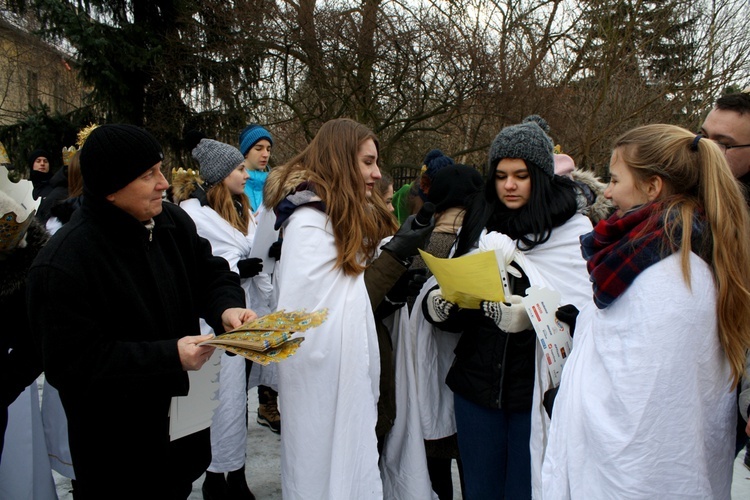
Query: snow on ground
[[264, 478]]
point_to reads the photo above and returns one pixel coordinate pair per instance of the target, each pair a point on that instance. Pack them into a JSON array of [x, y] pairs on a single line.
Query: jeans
[[494, 448]]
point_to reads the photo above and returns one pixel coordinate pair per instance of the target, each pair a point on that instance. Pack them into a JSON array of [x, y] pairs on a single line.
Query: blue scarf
[[254, 188]]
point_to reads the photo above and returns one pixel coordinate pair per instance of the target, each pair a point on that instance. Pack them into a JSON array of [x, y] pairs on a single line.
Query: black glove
[[250, 267], [409, 238], [416, 280], [568, 314], [408, 285], [274, 251], [549, 400]]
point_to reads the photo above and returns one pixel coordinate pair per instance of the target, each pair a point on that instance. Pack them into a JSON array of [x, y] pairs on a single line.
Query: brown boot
[[268, 410]]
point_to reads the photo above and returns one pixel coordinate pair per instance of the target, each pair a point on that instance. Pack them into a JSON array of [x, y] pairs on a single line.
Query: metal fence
[[404, 175]]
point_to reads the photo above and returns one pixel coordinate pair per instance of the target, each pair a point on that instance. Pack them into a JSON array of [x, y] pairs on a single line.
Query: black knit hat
[[528, 141], [452, 185], [115, 155], [36, 154]]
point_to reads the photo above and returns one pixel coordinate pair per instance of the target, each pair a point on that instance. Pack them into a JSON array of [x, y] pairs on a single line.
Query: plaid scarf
[[619, 248]]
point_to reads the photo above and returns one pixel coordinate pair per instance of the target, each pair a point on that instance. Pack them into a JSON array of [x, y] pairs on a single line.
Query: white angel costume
[[25, 471], [556, 264], [229, 427], [424, 356], [328, 391], [53, 415], [645, 407]]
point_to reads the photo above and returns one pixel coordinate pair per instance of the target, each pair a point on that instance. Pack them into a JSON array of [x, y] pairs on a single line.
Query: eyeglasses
[[726, 147]]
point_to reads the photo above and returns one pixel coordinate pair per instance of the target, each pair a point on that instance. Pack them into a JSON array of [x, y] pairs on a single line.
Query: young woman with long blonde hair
[[647, 405]]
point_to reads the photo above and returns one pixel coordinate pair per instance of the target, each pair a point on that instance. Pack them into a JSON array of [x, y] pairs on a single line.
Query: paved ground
[[264, 478]]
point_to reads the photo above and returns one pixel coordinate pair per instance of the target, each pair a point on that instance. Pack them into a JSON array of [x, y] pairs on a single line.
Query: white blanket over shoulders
[[228, 428], [645, 408], [556, 264], [229, 243], [328, 391], [423, 355]]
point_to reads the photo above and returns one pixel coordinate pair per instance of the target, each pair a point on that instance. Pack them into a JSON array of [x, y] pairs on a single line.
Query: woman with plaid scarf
[[659, 351]]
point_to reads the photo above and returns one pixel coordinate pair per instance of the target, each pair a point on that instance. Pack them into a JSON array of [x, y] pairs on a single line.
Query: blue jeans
[[494, 449]]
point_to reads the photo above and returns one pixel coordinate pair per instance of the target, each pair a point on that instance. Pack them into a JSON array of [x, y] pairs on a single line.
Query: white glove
[[438, 308], [509, 316]]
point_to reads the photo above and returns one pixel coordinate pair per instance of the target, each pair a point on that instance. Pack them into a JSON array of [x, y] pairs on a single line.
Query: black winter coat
[[21, 361], [56, 192], [109, 299], [492, 368]]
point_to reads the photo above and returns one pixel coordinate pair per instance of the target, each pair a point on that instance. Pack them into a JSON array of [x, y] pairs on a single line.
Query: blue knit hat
[[250, 135], [434, 161]]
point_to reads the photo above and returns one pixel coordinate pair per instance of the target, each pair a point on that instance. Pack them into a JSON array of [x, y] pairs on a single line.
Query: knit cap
[[527, 141], [250, 135], [434, 161], [452, 185], [216, 160], [564, 165], [114, 155], [36, 154]]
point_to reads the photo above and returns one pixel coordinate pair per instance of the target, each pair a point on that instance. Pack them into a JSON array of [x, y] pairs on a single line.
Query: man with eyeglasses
[[728, 124]]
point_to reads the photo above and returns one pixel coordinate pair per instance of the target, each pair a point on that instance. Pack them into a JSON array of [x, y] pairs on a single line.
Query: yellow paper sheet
[[469, 279]]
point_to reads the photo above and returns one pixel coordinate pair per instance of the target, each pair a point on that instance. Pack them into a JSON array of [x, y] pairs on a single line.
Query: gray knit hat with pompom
[[528, 141], [216, 160]]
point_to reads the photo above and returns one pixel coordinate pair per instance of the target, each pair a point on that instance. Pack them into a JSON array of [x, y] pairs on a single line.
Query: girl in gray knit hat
[[217, 203], [528, 215]]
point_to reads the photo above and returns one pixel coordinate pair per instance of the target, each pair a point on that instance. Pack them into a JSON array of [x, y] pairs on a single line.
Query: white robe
[[556, 264], [56, 431], [229, 427], [25, 471], [424, 355], [645, 408], [328, 391]]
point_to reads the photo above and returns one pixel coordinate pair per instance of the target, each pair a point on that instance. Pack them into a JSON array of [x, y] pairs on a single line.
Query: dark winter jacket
[[56, 192], [65, 209], [380, 277], [492, 368], [109, 299], [41, 182], [21, 361]]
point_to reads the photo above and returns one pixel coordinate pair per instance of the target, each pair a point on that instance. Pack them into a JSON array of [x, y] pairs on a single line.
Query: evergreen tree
[[163, 64], [647, 39]]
